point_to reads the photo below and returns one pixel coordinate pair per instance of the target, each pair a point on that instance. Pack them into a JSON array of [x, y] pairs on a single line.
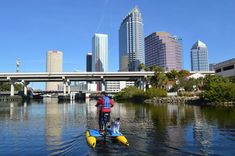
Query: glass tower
[[89, 62], [131, 42], [199, 57], [163, 50], [100, 53]]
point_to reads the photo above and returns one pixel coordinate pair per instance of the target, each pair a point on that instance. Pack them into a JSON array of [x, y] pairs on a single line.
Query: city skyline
[[53, 25]]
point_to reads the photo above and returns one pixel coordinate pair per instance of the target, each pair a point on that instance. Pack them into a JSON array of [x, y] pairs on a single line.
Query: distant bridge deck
[[78, 76], [74, 76]]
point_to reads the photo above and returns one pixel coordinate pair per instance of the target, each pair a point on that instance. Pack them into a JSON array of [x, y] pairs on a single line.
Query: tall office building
[[89, 62], [54, 64], [211, 67], [199, 57], [100, 53], [131, 41], [163, 50]]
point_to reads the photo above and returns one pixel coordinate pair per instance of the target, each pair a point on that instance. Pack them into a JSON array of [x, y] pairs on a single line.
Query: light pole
[[18, 65]]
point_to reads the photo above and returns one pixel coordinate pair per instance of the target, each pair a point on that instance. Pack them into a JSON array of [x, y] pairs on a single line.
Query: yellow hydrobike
[[93, 134]]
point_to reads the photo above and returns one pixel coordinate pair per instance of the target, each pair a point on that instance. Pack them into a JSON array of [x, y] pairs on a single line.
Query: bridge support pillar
[[65, 88], [138, 84], [144, 82], [12, 88], [103, 85], [25, 87], [69, 87], [72, 96]]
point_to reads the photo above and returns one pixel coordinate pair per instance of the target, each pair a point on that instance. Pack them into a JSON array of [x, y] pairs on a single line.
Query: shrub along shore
[[212, 90]]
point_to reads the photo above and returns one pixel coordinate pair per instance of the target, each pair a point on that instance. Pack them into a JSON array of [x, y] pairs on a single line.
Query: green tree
[[146, 68], [5, 86], [172, 75], [210, 79], [218, 89], [219, 92], [183, 73], [155, 92], [141, 66], [159, 79], [152, 68]]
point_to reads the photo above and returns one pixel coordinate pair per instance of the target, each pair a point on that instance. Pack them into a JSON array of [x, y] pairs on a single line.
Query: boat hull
[[92, 134], [91, 140], [122, 139]]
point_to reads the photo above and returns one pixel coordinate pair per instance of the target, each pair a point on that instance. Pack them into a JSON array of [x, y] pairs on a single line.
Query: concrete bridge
[[67, 77]]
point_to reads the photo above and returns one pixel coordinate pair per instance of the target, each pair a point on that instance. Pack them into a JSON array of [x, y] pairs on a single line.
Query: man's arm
[[111, 103], [98, 103]]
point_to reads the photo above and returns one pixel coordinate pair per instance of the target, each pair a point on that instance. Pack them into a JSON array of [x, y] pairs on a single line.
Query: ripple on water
[[71, 146]]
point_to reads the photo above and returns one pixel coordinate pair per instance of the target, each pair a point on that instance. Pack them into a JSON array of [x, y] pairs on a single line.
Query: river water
[[51, 128]]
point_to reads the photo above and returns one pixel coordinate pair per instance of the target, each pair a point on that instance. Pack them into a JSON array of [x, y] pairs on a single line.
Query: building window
[[228, 67], [218, 70]]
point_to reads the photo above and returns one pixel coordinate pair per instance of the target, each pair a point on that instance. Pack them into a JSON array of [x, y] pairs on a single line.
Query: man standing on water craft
[[104, 105]]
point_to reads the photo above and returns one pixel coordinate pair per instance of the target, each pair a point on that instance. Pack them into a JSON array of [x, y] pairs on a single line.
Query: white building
[[225, 68], [80, 86], [54, 63], [100, 53], [196, 76], [116, 86]]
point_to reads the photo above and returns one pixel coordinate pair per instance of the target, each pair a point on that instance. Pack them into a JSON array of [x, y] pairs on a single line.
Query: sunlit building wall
[[100, 53], [163, 50], [54, 63], [225, 68]]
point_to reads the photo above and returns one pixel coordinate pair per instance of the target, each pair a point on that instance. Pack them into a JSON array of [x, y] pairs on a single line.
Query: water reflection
[[51, 128], [18, 113], [201, 131], [53, 123]]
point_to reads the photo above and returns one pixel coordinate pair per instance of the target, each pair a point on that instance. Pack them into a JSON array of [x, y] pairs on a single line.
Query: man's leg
[[100, 121]]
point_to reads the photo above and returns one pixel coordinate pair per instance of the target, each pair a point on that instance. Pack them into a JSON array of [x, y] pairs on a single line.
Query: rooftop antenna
[[18, 65]]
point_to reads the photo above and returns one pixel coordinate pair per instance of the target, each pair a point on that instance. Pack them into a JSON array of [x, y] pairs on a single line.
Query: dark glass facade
[[89, 62]]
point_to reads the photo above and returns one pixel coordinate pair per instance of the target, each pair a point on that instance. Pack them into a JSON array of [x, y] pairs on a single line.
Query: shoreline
[[10, 98], [195, 100]]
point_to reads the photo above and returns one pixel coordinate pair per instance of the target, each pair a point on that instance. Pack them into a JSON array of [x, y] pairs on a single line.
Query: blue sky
[[29, 28]]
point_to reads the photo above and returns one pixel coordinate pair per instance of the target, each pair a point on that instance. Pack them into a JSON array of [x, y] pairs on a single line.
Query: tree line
[[211, 88]]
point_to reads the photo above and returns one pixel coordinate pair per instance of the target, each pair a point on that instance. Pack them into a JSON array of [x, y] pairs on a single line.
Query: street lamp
[[18, 65]]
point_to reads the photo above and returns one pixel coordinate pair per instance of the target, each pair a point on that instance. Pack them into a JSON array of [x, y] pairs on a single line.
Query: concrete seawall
[[11, 98], [187, 100], [172, 100]]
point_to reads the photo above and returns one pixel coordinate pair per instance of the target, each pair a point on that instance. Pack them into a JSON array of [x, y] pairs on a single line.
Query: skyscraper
[[54, 64], [89, 62], [100, 53], [199, 57], [163, 50], [131, 41]]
